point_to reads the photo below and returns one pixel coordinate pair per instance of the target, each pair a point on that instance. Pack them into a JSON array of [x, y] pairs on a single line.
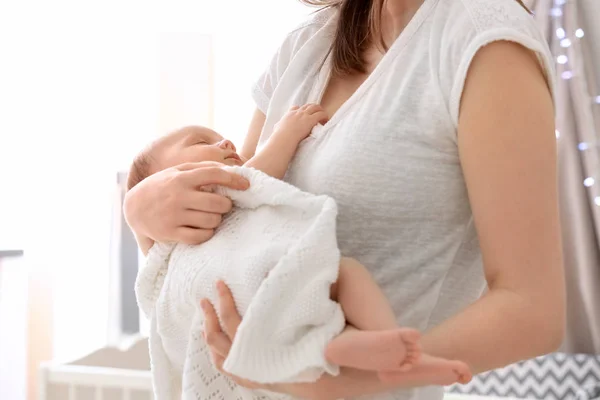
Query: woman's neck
[[395, 16]]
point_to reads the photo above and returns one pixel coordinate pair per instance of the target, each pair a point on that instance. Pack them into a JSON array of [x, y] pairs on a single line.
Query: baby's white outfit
[[278, 253]]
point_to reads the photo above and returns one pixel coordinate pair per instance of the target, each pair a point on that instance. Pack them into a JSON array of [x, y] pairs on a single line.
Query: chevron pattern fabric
[[556, 376], [589, 393]]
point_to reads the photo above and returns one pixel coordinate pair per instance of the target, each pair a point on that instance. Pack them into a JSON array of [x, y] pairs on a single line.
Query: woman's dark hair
[[359, 25]]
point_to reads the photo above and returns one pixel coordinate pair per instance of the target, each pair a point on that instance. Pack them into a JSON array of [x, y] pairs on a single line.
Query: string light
[[567, 73]]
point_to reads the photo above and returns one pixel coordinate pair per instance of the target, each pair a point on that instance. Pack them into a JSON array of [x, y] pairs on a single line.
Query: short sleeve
[[263, 88], [484, 22]]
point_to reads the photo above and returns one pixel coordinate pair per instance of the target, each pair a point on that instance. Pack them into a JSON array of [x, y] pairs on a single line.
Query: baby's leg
[[364, 304], [377, 343]]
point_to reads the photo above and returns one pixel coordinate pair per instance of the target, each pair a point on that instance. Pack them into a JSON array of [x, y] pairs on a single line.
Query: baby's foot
[[432, 370], [396, 349]]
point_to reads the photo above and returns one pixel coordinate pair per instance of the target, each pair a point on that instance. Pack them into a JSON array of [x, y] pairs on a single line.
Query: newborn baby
[[371, 339]]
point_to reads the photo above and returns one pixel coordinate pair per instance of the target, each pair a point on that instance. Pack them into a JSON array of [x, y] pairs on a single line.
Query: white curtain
[[573, 32]]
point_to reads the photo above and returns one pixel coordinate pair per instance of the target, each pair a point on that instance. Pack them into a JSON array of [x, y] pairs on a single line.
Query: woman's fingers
[[195, 165], [229, 314], [199, 219], [158, 206], [218, 361], [219, 341], [192, 236], [212, 175], [207, 202], [215, 337]]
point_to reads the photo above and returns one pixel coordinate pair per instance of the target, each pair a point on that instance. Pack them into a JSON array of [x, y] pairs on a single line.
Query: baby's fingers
[[319, 117], [312, 108]]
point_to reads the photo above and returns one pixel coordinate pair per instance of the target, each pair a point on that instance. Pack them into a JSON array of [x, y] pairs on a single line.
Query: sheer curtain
[[573, 32]]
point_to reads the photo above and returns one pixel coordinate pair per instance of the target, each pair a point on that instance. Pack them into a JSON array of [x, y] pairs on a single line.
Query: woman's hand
[[174, 205], [349, 383], [218, 337]]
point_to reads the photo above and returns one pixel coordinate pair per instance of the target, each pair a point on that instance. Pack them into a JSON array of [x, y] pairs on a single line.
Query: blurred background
[[84, 85]]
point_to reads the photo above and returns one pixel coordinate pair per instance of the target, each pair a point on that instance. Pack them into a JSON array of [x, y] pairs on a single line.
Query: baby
[[372, 340]]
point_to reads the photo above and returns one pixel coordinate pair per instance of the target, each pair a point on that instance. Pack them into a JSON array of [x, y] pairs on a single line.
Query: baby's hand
[[299, 121]]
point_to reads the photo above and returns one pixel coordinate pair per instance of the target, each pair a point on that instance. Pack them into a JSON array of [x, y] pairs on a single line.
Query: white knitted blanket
[[277, 251]]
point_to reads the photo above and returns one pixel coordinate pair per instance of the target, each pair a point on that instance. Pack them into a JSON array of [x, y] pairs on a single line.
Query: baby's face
[[196, 144]]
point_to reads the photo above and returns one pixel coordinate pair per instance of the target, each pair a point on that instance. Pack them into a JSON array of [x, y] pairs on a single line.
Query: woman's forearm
[[349, 383], [500, 328]]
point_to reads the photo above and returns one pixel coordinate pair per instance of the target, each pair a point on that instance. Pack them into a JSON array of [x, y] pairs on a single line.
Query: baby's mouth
[[235, 157]]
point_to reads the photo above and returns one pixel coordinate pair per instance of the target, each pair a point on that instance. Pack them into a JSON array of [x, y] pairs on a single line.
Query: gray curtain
[[572, 28]]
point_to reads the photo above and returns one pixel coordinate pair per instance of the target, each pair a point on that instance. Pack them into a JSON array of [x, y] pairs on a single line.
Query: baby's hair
[[139, 170]]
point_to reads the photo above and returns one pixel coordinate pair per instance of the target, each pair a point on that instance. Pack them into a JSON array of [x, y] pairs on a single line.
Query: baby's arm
[[295, 126]]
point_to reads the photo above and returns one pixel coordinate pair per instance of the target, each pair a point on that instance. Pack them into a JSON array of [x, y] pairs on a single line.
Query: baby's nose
[[226, 145]]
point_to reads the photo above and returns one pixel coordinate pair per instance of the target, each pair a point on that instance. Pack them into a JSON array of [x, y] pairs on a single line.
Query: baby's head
[[189, 144]]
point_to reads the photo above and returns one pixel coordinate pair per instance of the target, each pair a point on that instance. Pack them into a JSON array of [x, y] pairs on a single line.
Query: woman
[[440, 153]]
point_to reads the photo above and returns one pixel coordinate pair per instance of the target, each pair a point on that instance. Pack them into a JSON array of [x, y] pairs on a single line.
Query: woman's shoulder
[[316, 20], [464, 19], [461, 28], [308, 28], [295, 40]]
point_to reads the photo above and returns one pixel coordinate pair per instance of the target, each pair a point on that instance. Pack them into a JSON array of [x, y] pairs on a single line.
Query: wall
[[80, 95], [13, 324]]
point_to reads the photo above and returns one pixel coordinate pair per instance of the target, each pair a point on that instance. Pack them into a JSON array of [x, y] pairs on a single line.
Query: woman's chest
[[390, 162], [336, 91]]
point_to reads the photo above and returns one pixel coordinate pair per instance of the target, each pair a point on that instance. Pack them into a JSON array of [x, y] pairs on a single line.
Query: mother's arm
[[507, 149], [508, 153]]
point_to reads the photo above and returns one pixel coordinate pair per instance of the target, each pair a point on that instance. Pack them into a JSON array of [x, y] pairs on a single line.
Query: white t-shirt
[[389, 155]]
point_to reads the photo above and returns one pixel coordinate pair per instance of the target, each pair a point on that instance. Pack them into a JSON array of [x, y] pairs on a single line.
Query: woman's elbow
[[551, 328], [556, 334], [558, 315]]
